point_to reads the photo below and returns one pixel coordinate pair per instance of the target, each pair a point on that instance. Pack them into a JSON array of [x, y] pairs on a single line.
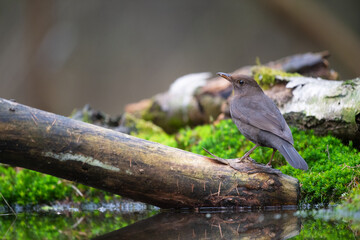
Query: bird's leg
[[248, 153], [272, 156]]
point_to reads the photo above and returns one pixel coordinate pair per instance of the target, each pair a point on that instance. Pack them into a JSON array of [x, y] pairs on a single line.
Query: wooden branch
[[134, 168]]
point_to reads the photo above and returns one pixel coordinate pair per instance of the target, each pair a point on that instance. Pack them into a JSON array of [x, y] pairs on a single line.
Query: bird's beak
[[225, 75]]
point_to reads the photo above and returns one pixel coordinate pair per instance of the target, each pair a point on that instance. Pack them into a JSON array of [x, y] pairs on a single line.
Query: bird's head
[[242, 84]]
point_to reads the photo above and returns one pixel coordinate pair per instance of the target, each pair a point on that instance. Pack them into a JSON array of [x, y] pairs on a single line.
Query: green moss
[[352, 83], [141, 126], [25, 187], [149, 131], [266, 76], [170, 123], [223, 139], [352, 201], [332, 165]]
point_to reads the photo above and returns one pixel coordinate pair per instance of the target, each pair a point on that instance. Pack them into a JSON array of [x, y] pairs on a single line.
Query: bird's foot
[[269, 165]]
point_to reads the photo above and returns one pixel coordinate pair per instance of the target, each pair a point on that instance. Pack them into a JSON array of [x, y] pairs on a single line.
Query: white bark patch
[[324, 99], [182, 90], [80, 158]]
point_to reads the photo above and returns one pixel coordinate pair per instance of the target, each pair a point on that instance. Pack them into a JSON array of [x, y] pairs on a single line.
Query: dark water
[[138, 221]]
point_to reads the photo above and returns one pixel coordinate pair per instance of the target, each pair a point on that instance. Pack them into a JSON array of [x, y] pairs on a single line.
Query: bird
[[259, 120]]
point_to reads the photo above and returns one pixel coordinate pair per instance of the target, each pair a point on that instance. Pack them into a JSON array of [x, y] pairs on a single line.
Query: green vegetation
[[149, 131], [23, 187], [314, 227], [266, 76], [351, 202], [75, 225], [333, 166]]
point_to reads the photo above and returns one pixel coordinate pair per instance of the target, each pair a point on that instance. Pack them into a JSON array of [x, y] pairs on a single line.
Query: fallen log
[[199, 98], [324, 106], [308, 103], [134, 168]]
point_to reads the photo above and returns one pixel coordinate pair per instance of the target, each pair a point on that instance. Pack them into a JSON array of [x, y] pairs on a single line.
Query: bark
[[238, 225], [324, 106], [134, 168]]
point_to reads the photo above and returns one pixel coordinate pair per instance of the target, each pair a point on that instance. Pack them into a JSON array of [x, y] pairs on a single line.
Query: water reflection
[[66, 225], [225, 225], [134, 221]]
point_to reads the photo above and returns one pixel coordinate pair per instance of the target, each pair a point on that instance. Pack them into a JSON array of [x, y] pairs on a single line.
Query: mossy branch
[[131, 167]]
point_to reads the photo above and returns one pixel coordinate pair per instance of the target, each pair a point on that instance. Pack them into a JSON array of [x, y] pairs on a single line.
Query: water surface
[[139, 221]]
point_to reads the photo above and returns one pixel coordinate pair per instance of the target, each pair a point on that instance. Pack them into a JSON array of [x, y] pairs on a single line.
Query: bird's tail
[[292, 156]]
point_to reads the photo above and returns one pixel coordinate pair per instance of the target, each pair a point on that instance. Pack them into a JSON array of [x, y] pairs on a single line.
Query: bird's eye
[[241, 82]]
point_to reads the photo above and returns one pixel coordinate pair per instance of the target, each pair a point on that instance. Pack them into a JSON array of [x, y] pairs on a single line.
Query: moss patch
[[332, 172], [149, 131], [266, 77], [352, 201], [24, 187]]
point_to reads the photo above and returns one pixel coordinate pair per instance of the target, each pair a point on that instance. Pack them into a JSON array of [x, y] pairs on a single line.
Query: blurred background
[[58, 55]]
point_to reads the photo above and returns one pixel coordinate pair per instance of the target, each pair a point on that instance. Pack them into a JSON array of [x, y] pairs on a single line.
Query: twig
[[12, 210], [34, 116], [327, 150], [78, 222], [77, 190], [223, 161], [13, 222], [220, 231], [52, 124], [218, 193], [34, 120]]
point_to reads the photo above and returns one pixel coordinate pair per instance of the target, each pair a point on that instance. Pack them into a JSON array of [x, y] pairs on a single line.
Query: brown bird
[[260, 121]]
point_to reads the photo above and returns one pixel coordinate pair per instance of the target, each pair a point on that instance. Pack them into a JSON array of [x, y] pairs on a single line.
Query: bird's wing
[[263, 115]]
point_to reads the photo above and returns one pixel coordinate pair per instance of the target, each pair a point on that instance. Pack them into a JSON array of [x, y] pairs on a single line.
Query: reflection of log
[[132, 167], [244, 225]]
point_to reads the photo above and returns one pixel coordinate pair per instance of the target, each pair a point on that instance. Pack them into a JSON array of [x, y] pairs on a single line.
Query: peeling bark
[[134, 168], [324, 106]]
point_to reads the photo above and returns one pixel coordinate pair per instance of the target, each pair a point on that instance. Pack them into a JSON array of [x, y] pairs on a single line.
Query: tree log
[[199, 98], [134, 168], [324, 106], [309, 103]]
